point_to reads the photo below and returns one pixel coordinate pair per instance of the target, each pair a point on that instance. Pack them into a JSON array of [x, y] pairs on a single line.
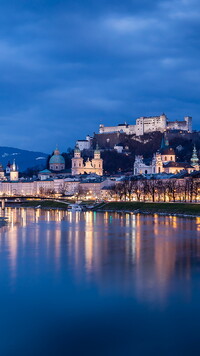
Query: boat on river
[[3, 220], [75, 207]]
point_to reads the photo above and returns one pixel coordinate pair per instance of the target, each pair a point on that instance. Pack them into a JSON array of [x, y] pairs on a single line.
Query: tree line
[[171, 190]]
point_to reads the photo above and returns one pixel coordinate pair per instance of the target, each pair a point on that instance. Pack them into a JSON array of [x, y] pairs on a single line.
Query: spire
[[162, 146], [56, 152], [194, 159], [164, 142], [14, 167]]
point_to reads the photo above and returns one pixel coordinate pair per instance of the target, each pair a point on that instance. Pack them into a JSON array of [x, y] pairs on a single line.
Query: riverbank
[[153, 208], [179, 209]]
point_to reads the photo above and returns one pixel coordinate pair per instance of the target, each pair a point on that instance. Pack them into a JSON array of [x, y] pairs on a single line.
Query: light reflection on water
[[55, 257], [150, 248]]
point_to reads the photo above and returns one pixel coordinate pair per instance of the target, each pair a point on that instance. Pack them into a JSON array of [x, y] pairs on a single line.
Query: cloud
[[66, 67], [127, 24]]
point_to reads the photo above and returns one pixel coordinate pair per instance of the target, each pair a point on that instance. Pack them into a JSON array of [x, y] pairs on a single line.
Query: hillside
[[149, 143], [145, 145], [24, 159]]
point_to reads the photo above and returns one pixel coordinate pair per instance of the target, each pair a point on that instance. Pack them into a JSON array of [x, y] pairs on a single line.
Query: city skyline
[[68, 67]]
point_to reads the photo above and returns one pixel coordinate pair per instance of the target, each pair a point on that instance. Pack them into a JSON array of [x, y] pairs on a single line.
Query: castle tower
[[77, 162], [195, 159], [163, 122], [188, 120], [14, 174]]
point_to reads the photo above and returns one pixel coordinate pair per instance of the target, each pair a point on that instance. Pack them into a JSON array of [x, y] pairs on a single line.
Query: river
[[91, 283]]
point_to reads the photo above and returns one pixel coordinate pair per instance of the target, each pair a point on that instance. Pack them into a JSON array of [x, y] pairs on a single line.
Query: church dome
[[57, 158], [77, 150]]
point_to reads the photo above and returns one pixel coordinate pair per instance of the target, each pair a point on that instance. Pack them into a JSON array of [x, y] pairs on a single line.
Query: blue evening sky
[[67, 66]]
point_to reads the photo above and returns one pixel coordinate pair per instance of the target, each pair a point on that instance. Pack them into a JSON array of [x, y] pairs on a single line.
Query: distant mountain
[[23, 158]]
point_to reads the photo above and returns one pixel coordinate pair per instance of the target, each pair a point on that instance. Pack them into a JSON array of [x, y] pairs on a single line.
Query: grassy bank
[[44, 204], [151, 208]]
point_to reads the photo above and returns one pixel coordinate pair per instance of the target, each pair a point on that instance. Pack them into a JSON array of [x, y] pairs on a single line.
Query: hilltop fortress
[[149, 124]]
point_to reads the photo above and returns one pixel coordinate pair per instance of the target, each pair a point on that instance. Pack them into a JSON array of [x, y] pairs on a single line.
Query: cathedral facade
[[95, 165]]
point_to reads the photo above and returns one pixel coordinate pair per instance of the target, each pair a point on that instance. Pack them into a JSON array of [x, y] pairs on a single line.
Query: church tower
[[97, 162], [164, 142], [90, 166], [157, 163], [14, 173], [77, 162], [167, 152], [195, 159]]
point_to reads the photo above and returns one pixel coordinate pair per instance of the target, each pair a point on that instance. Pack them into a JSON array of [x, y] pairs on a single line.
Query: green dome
[[57, 158], [76, 150]]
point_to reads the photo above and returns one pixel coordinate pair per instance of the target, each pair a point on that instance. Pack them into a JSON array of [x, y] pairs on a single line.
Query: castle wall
[[185, 125], [149, 124], [110, 129]]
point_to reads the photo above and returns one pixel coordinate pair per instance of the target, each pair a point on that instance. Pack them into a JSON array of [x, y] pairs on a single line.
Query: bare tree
[[152, 185], [137, 189], [62, 188], [119, 189]]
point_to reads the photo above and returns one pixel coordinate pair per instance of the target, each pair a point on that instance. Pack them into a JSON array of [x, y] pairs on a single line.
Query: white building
[[119, 148], [164, 161], [149, 124], [68, 186], [84, 144]]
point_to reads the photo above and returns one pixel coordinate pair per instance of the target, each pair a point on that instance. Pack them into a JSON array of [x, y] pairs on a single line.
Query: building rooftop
[[178, 165], [167, 151]]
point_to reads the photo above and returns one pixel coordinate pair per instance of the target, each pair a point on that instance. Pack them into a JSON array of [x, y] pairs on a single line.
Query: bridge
[[22, 198]]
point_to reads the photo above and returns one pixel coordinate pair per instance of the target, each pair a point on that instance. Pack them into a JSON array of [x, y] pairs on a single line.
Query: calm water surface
[[99, 284]]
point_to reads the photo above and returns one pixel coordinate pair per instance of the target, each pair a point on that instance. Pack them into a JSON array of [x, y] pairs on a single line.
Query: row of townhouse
[[68, 186], [27, 188]]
